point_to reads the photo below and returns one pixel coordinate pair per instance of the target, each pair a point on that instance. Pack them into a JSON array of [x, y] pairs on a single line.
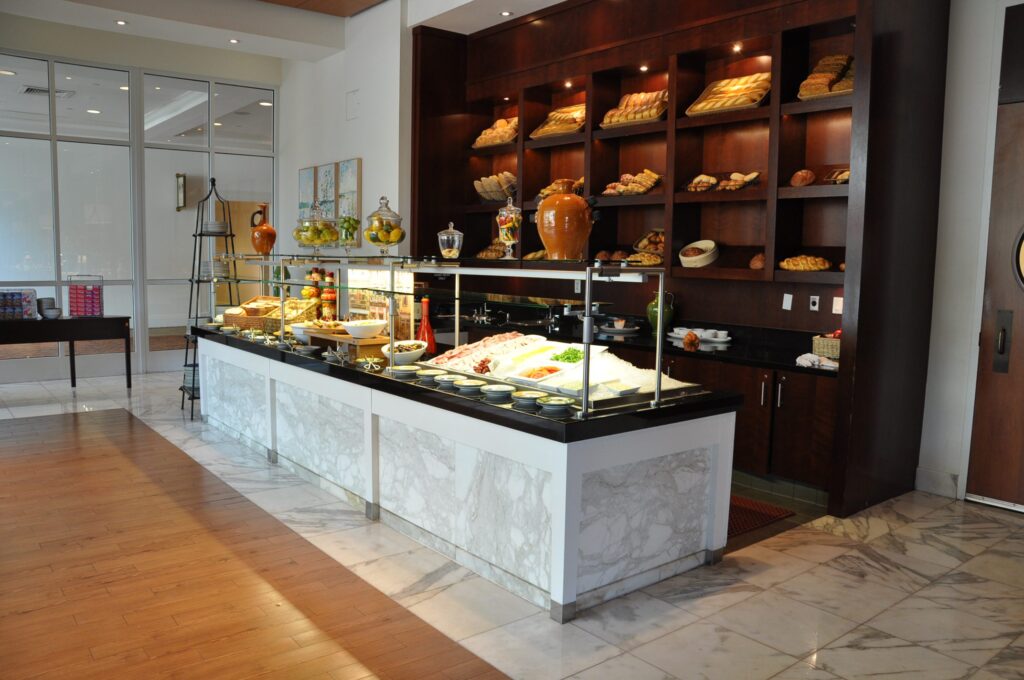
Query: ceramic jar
[[564, 222], [262, 233], [667, 313]]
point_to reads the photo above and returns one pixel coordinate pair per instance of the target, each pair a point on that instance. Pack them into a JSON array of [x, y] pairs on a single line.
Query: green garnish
[[569, 356]]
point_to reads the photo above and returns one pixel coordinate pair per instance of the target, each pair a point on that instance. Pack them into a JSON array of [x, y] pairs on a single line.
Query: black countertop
[[558, 429]]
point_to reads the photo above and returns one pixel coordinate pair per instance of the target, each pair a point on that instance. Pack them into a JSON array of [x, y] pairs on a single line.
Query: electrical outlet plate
[[837, 305], [787, 301], [814, 303], [577, 286]]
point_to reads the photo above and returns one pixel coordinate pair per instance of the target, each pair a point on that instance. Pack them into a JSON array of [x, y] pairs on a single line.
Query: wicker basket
[[246, 322], [825, 347], [307, 312]]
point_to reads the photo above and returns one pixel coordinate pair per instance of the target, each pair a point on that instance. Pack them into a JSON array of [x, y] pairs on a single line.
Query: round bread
[[691, 342], [693, 252], [802, 178], [757, 262]]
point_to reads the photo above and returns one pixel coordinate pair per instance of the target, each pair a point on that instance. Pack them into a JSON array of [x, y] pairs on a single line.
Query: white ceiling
[[260, 28], [470, 16]]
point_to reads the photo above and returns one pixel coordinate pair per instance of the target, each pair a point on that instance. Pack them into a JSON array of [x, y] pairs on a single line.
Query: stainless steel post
[[659, 339], [588, 337], [458, 305], [392, 313]]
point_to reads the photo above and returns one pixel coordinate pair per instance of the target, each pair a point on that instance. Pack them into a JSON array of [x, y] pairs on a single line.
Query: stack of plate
[[210, 270], [191, 372]]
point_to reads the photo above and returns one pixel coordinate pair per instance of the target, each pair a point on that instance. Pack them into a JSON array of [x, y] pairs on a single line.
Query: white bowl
[[51, 313], [364, 328], [402, 358], [709, 255]]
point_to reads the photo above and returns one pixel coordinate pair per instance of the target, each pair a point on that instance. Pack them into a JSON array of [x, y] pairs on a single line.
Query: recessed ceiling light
[[157, 87], [217, 124], [506, 98], [93, 111], [737, 47], [121, 22], [123, 87], [568, 83], [266, 103], [506, 13], [5, 72], [233, 41], [643, 69], [67, 77]]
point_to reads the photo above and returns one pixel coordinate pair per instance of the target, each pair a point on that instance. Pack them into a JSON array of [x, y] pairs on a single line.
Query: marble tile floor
[[919, 587]]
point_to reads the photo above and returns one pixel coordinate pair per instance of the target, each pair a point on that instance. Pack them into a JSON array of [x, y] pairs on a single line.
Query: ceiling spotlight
[[67, 77], [233, 41], [123, 87], [5, 72], [121, 22], [737, 47], [93, 111], [506, 13], [568, 83], [156, 87], [217, 124], [266, 103], [643, 69], [506, 98]]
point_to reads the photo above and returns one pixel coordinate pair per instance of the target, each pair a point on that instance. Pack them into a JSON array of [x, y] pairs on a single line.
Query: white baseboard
[[939, 482]]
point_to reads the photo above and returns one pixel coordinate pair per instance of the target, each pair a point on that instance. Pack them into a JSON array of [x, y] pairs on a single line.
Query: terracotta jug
[[263, 234], [564, 222]]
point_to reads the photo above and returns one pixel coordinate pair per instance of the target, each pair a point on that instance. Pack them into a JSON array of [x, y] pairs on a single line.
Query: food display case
[[526, 458]]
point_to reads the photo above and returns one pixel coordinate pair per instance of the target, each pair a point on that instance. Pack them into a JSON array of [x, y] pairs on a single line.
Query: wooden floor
[[121, 557]]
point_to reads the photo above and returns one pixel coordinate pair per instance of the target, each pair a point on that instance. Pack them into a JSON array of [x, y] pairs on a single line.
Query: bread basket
[[825, 347], [709, 255]]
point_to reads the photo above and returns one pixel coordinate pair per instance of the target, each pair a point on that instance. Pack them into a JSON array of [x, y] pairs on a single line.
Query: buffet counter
[[566, 513]]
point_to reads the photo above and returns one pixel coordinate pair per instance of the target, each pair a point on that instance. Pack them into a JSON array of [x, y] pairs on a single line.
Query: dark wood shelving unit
[[834, 103], [761, 112], [487, 208], [877, 131], [815, 191], [744, 194], [556, 140], [495, 150]]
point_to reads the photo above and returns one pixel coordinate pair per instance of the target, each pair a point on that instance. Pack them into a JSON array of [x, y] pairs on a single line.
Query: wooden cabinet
[[751, 450], [803, 427]]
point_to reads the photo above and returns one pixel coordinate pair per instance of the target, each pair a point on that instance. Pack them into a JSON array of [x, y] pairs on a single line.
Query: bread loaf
[[802, 178]]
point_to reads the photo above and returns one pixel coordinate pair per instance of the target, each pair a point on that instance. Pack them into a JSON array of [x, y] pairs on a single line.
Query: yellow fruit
[[397, 235], [368, 234]]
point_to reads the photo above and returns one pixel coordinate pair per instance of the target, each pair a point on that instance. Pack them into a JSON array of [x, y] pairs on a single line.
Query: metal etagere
[[210, 269]]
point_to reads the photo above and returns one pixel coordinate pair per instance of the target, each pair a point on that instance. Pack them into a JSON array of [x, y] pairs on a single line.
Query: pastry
[[640, 107], [702, 182], [832, 74], [805, 263], [496, 187], [536, 255], [757, 261], [603, 256], [644, 260], [693, 251], [632, 185], [651, 242], [495, 251], [563, 121], [502, 131], [802, 178], [838, 176], [619, 255], [842, 266], [691, 342], [732, 93]]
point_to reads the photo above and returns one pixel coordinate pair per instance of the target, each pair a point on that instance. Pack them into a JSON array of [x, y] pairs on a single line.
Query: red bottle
[[426, 333]]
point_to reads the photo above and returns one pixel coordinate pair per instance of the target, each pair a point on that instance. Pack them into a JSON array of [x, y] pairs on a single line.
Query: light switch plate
[[837, 305], [815, 300], [353, 102], [787, 301]]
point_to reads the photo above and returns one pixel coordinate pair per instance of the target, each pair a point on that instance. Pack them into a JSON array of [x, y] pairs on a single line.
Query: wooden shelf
[[815, 191], [746, 194], [840, 101], [722, 273], [654, 127], [508, 147], [556, 140], [729, 117], [656, 198], [828, 278]]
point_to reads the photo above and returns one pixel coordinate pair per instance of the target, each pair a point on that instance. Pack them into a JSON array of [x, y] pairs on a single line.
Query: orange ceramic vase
[[263, 234], [564, 223]]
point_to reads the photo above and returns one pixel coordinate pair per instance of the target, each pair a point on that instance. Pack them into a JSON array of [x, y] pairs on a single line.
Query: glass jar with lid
[[384, 227], [510, 220], [450, 242], [316, 231]]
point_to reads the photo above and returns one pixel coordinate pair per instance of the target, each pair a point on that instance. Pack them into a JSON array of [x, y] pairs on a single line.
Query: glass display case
[[371, 327]]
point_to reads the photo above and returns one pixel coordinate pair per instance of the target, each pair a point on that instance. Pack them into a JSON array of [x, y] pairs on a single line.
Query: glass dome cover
[[384, 227]]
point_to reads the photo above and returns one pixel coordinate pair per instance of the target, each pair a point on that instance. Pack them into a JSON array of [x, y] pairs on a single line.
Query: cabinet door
[[754, 419], [803, 427]]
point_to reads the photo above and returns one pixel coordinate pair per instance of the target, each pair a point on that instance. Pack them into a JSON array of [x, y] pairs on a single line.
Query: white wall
[[355, 104], [972, 88]]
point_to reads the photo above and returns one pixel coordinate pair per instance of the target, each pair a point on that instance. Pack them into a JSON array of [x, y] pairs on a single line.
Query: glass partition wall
[[91, 157]]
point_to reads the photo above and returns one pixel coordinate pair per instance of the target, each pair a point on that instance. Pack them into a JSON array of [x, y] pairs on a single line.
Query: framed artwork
[[327, 189], [179, 201], [307, 191], [349, 187]]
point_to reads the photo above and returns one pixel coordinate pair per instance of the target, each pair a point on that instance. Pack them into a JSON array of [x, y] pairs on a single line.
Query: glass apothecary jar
[[450, 242], [316, 231], [510, 220], [384, 227]]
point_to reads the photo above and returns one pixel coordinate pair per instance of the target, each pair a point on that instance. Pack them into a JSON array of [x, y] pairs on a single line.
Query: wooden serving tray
[[713, 90]]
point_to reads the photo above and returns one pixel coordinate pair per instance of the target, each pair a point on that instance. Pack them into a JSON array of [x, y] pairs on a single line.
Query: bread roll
[[802, 178]]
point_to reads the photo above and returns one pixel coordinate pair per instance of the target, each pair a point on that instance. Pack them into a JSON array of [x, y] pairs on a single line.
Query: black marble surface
[[565, 429]]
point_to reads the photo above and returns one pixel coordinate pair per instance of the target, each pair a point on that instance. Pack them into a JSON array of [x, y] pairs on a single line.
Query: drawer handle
[[764, 389], [778, 396], [1001, 341]]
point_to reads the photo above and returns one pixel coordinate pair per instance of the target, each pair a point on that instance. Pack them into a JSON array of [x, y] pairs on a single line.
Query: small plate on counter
[[497, 392], [427, 376], [306, 350], [555, 406], [527, 398], [469, 386], [446, 381], [404, 372], [625, 330]]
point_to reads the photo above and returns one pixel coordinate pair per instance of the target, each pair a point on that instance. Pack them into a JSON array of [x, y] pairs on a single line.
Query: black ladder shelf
[[213, 222]]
